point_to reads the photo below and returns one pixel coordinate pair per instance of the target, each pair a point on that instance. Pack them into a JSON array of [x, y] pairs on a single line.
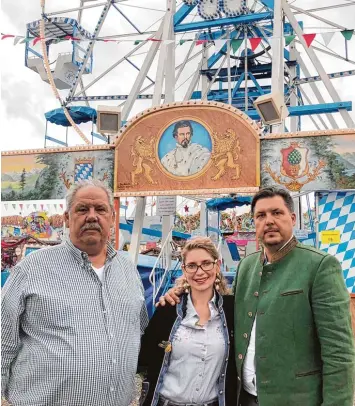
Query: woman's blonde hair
[[205, 243]]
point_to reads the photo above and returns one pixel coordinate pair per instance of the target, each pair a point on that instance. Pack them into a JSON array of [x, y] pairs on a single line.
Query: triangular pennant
[[309, 39], [7, 36], [289, 39], [219, 44], [347, 34], [61, 206], [14, 206], [42, 207], [235, 44], [182, 41], [6, 206], [254, 43], [55, 207], [36, 40], [138, 41], [27, 39], [201, 41], [35, 206], [27, 206], [21, 206], [327, 37], [17, 39]]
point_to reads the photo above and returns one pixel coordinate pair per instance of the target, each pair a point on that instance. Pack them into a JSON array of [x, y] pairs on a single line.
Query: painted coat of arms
[[295, 170]]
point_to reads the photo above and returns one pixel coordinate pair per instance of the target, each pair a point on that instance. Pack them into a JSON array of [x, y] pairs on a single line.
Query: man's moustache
[[91, 226]]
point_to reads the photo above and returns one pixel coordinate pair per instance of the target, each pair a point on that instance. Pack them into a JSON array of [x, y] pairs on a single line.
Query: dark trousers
[[246, 399]]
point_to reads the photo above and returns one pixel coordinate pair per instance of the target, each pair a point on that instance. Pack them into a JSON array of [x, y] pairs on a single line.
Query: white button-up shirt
[[196, 358]]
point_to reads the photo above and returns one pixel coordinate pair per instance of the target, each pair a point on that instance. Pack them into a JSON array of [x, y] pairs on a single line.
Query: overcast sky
[[25, 97]]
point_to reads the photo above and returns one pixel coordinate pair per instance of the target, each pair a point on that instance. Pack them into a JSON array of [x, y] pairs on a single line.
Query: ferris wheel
[[136, 55]]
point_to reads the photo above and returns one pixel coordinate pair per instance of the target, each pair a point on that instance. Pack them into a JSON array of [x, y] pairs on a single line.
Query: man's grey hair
[[84, 184]]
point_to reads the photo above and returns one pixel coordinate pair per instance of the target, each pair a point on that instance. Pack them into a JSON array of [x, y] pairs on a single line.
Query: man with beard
[[73, 314], [293, 338], [186, 158]]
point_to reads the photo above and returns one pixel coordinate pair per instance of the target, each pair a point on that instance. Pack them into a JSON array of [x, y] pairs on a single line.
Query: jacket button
[[250, 314], [240, 356], [260, 274], [245, 335], [256, 294]]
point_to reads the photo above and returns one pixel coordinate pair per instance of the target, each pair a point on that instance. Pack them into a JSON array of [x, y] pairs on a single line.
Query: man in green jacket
[[293, 338]]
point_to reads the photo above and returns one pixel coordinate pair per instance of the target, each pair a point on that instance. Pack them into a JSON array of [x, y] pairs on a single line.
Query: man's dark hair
[[272, 191], [182, 124]]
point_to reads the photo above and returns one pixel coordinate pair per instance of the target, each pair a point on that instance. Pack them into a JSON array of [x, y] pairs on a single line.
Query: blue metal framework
[[246, 26]]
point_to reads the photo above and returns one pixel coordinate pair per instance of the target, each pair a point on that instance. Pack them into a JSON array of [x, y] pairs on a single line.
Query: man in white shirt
[[187, 158]]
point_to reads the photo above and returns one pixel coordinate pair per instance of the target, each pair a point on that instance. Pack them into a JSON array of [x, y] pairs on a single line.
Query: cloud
[[25, 97]]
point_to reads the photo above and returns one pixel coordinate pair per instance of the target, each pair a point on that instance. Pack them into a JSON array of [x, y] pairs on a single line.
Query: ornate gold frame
[[232, 110], [161, 167]]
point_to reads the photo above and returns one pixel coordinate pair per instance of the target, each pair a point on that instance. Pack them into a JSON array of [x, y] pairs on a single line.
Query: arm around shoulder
[[331, 309]]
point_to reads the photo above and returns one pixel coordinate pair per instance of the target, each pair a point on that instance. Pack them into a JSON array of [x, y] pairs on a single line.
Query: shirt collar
[[191, 311], [82, 256], [266, 260]]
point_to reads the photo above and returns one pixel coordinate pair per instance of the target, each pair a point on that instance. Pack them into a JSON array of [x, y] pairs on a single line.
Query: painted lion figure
[[141, 153], [226, 151]]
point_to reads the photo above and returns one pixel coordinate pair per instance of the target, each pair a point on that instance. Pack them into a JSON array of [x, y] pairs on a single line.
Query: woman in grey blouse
[[185, 353]]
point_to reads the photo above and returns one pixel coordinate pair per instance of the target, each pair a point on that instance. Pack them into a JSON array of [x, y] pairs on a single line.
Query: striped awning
[[59, 27]]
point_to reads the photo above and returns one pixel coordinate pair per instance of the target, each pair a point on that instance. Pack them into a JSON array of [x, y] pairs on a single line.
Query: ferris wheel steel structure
[[274, 68]]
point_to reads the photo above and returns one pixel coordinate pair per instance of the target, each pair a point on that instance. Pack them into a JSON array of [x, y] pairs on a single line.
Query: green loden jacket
[[304, 343]]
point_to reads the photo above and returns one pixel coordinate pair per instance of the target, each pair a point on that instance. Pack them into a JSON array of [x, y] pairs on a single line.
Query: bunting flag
[[327, 37], [309, 39], [14, 206], [36, 40], [7, 36], [35, 206], [235, 44], [27, 206], [289, 39], [6, 206], [219, 44], [17, 39], [42, 207], [254, 43], [347, 34], [21, 206], [61, 206], [55, 207]]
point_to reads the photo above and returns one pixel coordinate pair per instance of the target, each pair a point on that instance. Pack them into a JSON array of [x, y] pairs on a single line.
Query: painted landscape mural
[[49, 175], [309, 163]]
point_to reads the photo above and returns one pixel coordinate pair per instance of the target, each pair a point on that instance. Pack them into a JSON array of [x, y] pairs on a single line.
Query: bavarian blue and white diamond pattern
[[336, 211], [83, 171]]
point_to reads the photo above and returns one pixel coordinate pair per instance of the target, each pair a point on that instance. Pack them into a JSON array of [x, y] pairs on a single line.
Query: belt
[[166, 402]]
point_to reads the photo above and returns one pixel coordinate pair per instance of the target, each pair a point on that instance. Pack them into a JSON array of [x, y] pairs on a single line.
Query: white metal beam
[[141, 76], [89, 48], [277, 47], [324, 20], [170, 60], [319, 67], [137, 229], [162, 61], [315, 89]]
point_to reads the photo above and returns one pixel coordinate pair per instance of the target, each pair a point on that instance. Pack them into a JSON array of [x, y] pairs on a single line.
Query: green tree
[[23, 179]]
